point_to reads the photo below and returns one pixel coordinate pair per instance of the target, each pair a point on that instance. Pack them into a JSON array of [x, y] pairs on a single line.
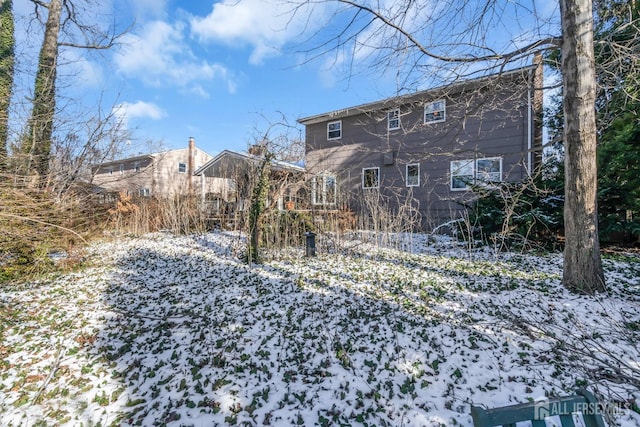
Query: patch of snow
[[408, 330]]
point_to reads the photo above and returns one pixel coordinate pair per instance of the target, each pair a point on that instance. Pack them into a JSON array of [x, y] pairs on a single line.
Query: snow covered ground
[[165, 330]]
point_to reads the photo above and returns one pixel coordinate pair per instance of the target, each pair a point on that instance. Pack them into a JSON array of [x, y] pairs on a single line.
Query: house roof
[[236, 159], [127, 159], [145, 156], [413, 97]]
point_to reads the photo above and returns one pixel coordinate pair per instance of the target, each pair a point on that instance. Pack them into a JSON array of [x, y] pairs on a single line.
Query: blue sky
[[200, 68], [217, 72]]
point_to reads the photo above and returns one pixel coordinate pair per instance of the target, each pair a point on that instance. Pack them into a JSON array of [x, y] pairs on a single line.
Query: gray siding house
[[417, 155]]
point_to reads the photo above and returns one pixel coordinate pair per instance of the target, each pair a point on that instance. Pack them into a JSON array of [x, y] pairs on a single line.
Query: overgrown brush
[[34, 224], [517, 215], [286, 228], [138, 215]]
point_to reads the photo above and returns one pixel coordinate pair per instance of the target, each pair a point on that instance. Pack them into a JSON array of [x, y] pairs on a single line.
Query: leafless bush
[[601, 352], [138, 215], [391, 223], [34, 223], [181, 214]]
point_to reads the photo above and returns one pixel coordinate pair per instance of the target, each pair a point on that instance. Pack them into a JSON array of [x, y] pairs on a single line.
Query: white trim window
[[334, 130], [462, 173], [136, 166], [489, 170], [370, 178], [393, 119], [323, 189], [182, 167], [110, 170], [121, 168], [435, 112], [144, 192], [484, 171], [413, 175]]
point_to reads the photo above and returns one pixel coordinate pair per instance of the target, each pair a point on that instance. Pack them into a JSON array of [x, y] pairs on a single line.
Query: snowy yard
[[165, 330]]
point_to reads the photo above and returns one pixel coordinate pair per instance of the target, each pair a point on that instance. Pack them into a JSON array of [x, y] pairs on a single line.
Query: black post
[[311, 244]]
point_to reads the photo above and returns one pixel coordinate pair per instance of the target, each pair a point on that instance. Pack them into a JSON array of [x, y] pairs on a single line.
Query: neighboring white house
[[163, 174]]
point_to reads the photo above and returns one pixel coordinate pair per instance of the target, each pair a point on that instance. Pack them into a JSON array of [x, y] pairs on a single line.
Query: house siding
[[158, 173], [236, 175], [492, 119]]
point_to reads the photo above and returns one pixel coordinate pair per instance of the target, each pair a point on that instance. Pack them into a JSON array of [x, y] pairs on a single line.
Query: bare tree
[[582, 264], [447, 42], [37, 143], [63, 17], [87, 141]]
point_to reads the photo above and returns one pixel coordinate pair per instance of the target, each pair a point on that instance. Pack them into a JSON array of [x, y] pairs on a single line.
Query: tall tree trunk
[[582, 264], [258, 208], [38, 144], [7, 42]]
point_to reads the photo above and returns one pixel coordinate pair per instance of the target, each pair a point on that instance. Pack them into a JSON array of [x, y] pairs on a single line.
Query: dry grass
[[34, 224]]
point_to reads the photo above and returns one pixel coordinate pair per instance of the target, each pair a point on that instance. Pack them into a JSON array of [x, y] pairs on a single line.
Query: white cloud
[[85, 73], [139, 109], [159, 55], [149, 8], [266, 25]]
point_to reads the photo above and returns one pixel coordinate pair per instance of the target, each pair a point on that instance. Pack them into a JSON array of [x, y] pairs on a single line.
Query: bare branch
[[505, 57], [37, 221]]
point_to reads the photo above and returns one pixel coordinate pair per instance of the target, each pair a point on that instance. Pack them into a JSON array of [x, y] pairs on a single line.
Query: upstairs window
[[413, 175], [182, 168], [121, 167], [110, 170], [334, 130], [370, 177], [136, 166], [393, 119], [435, 112], [323, 189]]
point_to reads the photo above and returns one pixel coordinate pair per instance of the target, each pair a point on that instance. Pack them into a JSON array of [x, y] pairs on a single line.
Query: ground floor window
[[370, 177], [480, 171], [489, 170], [323, 189], [413, 175], [213, 202], [108, 198]]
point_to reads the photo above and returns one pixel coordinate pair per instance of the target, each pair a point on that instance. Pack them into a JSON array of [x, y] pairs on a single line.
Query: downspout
[[536, 95], [529, 126]]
